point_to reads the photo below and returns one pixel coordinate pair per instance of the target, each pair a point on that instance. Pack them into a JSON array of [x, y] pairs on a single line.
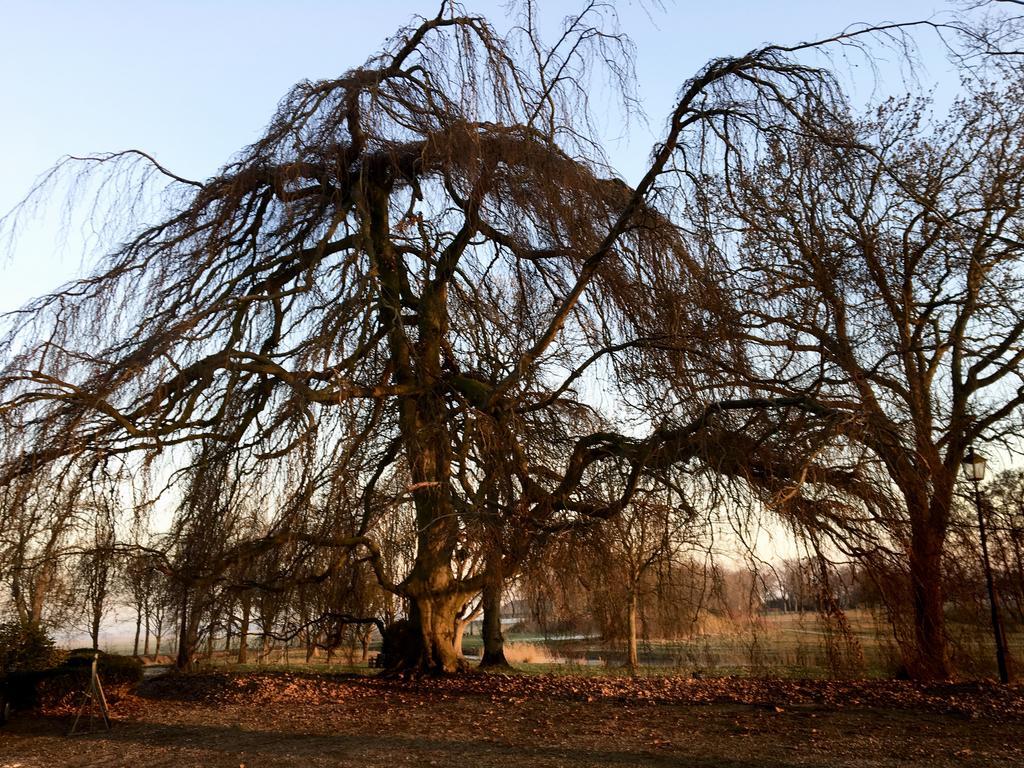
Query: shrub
[[27, 689], [112, 668], [26, 647]]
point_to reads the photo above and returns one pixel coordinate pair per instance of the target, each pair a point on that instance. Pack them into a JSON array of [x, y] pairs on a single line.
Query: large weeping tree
[[417, 279]]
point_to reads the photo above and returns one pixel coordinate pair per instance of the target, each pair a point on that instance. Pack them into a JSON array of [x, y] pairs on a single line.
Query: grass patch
[[782, 645]]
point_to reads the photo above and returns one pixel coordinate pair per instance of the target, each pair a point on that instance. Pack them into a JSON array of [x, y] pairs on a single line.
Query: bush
[[27, 689], [112, 668], [26, 647]]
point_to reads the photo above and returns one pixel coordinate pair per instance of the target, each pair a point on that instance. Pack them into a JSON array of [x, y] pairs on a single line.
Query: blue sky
[[191, 82]]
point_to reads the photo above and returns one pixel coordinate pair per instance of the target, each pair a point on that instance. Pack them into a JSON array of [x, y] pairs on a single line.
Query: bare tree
[[630, 550], [407, 279], [39, 517], [139, 579], [1006, 524], [97, 566], [894, 253]]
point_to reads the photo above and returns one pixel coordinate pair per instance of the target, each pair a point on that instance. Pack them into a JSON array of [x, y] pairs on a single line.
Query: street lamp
[[974, 468], [974, 465]]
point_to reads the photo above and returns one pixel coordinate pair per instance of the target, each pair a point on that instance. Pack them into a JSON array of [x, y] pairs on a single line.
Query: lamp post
[[974, 468]]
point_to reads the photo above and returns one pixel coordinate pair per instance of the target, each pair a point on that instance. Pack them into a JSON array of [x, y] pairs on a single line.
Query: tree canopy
[[406, 293]]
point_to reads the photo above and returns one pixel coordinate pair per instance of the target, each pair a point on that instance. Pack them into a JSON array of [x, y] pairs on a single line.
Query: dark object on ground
[[28, 689], [399, 646]]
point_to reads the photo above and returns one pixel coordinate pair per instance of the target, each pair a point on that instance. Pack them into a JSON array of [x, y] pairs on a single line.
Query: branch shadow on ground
[[267, 745]]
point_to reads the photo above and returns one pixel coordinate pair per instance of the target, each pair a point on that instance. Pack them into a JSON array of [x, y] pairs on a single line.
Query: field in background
[[774, 644], [788, 645]]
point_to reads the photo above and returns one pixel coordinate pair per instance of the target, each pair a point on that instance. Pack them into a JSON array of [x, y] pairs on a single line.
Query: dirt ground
[[268, 719]]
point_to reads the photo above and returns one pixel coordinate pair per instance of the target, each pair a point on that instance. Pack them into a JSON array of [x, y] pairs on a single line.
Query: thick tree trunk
[[94, 630], [433, 617], [928, 506], [460, 631], [494, 640], [425, 642], [931, 658], [434, 594], [184, 658], [435, 597], [632, 660], [364, 641]]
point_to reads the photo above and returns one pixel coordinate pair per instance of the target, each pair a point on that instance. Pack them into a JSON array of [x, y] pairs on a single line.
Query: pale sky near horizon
[[192, 82]]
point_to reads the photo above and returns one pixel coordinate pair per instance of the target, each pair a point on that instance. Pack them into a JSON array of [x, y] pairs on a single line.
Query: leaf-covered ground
[[277, 719]]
